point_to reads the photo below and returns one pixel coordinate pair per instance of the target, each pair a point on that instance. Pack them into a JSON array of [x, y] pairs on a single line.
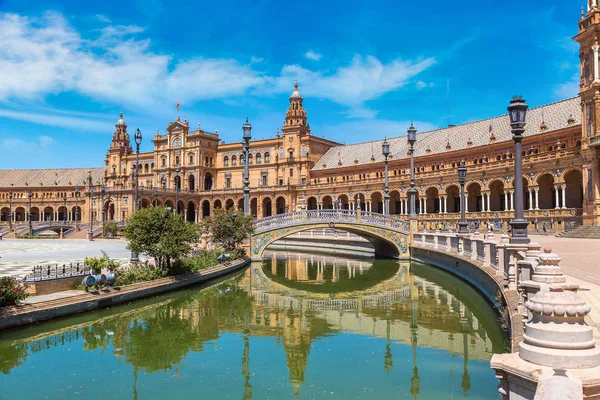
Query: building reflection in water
[[297, 300]]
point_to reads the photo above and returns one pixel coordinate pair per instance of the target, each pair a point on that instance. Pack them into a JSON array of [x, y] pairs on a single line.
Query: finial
[[198, 125], [582, 14], [296, 83], [121, 112], [246, 119]]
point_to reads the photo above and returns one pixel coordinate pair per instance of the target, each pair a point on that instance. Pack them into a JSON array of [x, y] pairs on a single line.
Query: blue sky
[[365, 68]]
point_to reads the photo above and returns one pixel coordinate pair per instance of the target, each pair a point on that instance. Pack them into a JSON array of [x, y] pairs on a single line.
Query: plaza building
[[194, 172]]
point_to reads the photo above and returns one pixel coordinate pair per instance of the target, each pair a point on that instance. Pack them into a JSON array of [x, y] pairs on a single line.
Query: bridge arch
[[388, 235]]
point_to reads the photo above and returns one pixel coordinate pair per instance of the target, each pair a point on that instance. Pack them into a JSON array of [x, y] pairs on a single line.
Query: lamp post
[[30, 195], [154, 196], [65, 212], [247, 136], [462, 178], [138, 142], [76, 207], [412, 138], [177, 191], [102, 193], [385, 150], [517, 111], [10, 215]]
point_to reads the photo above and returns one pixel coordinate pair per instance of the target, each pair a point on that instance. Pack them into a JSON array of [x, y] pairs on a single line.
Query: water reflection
[[333, 320]]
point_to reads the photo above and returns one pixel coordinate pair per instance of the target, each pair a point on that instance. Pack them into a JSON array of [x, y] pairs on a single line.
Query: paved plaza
[[17, 257]]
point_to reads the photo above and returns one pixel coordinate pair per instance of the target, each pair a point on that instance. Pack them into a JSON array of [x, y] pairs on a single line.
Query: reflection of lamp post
[[388, 360], [462, 178], [30, 195], [246, 361], [247, 136], [517, 111], [385, 150], [466, 379], [412, 138], [415, 381], [10, 215]]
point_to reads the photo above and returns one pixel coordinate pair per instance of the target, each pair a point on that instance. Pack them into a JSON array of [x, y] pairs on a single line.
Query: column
[[466, 202], [401, 206], [530, 198], [445, 204], [489, 208], [537, 198], [556, 203], [505, 201], [369, 205], [512, 200], [595, 48], [564, 196], [425, 205]]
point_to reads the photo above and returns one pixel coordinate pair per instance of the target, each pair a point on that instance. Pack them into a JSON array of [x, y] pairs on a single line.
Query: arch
[[109, 210], [146, 168], [254, 207], [249, 158], [311, 204], [267, 157], [240, 204], [5, 214], [525, 181], [395, 202], [453, 200], [342, 202], [48, 214], [76, 213], [226, 161], [233, 160], [205, 209], [170, 204], [327, 202], [574, 188], [474, 198], [191, 212], [62, 214], [35, 213], [191, 183], [177, 182], [280, 205], [258, 158], [217, 204], [376, 199], [208, 181], [229, 204], [546, 191], [20, 214], [497, 198], [180, 207], [432, 200], [145, 202], [267, 207]]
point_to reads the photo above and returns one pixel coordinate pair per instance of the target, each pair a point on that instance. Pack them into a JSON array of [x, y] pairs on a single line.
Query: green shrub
[[139, 273], [11, 291], [98, 263]]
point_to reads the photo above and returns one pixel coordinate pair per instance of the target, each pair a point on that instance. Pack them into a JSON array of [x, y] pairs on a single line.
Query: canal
[[295, 326]]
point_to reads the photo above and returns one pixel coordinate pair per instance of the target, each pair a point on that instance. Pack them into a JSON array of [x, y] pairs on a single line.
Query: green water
[[311, 327]]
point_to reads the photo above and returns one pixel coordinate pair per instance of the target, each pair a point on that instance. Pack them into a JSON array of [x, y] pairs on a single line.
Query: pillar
[[537, 198], [505, 201], [489, 207], [512, 200], [595, 48], [530, 198], [556, 204], [466, 202], [425, 205], [563, 189], [445, 204]]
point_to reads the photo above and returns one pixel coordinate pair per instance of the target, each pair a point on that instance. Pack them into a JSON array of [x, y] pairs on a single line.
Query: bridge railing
[[326, 216], [49, 272]]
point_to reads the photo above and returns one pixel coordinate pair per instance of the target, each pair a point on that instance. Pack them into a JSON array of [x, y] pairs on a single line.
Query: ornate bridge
[[388, 235]]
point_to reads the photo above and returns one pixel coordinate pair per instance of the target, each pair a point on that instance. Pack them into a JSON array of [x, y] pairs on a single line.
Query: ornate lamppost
[[76, 207], [177, 191], [462, 178], [247, 136], [10, 215], [65, 212], [385, 150], [91, 193], [517, 111], [138, 142], [102, 193], [412, 138], [30, 195]]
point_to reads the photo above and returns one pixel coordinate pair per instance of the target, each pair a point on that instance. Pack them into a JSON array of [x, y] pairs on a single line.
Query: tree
[[228, 231], [161, 234], [112, 228]]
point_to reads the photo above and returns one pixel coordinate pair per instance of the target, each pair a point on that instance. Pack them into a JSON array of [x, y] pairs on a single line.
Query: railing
[[48, 272], [320, 216], [467, 247]]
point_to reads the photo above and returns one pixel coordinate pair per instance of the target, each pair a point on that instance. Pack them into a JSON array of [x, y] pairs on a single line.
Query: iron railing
[[49, 272]]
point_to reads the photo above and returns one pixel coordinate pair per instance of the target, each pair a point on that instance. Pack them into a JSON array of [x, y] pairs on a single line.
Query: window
[[177, 142], [242, 159], [250, 159], [267, 158], [291, 172], [176, 160], [163, 161], [264, 180], [233, 161], [191, 159], [228, 181], [258, 158], [281, 152], [226, 161]]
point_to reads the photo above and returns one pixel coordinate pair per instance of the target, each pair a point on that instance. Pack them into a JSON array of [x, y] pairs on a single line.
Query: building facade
[[194, 171]]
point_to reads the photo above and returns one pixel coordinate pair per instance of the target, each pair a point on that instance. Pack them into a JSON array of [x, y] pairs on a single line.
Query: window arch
[[250, 158], [258, 158], [233, 161], [226, 161], [267, 157]]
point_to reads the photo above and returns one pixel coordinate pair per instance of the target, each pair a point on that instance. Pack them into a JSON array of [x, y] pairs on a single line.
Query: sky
[[365, 68]]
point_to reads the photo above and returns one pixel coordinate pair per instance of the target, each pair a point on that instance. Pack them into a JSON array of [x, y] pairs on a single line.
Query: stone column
[[489, 207], [505, 201], [595, 48], [425, 205], [466, 202], [557, 204], [530, 198], [563, 188], [512, 200], [537, 198], [445, 204]]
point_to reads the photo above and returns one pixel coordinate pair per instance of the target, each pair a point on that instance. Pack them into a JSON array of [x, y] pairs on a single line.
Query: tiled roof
[[48, 177], [555, 116]]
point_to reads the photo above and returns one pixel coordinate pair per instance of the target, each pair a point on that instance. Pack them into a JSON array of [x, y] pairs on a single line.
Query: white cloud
[[45, 141], [371, 129], [54, 118], [103, 18], [12, 144], [422, 85], [46, 55], [311, 55], [567, 89]]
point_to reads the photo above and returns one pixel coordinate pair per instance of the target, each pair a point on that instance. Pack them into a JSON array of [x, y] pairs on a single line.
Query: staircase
[[583, 232]]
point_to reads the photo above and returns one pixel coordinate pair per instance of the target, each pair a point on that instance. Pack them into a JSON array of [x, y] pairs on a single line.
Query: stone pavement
[[581, 264]]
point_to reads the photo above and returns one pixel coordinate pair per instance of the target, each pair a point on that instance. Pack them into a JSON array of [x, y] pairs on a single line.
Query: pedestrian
[[544, 227]]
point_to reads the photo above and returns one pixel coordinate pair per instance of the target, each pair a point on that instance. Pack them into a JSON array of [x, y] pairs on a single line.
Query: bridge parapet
[[331, 216]]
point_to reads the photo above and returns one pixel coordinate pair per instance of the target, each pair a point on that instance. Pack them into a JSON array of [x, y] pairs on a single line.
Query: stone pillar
[[530, 198], [445, 204], [537, 198], [505, 200], [595, 48], [466, 202], [563, 189], [512, 200], [425, 205], [489, 207]]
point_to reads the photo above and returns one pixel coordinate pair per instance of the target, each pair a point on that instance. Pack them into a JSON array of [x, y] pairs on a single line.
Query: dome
[[121, 122], [295, 93]]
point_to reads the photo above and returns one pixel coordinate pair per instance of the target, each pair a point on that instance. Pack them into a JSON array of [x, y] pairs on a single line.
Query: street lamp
[[247, 136], [30, 195], [412, 138], [517, 111], [102, 193], [65, 211], [385, 150], [10, 216], [462, 178], [138, 142], [177, 190], [76, 207]]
